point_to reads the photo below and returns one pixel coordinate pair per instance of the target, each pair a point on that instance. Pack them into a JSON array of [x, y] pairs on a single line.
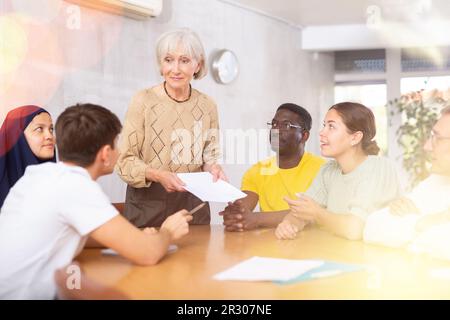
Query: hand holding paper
[[201, 185], [216, 171]]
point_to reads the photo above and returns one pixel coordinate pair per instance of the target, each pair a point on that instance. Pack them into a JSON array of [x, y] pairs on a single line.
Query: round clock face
[[225, 67]]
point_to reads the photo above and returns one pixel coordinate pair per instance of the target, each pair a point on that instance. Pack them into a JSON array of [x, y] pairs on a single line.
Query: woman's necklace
[[179, 101]]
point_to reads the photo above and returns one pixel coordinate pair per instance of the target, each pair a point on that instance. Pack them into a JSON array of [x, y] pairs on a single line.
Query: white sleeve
[[85, 206], [390, 230]]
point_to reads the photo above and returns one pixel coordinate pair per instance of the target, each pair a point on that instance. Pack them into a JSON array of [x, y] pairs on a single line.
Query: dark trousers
[[149, 207]]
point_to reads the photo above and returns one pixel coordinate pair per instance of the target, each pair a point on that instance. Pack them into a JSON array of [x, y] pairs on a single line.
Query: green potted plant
[[419, 111]]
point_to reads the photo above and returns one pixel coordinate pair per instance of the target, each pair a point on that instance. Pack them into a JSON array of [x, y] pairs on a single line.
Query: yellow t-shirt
[[271, 183]]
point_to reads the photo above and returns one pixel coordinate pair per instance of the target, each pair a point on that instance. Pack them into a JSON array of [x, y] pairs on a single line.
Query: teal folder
[[327, 269]]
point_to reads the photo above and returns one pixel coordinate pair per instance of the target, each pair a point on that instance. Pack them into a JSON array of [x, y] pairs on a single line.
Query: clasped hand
[[237, 217]]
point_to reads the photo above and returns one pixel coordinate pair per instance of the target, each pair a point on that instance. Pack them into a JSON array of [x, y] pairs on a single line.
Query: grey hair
[[188, 40]]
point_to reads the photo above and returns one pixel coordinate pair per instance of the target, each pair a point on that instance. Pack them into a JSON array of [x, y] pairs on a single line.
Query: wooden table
[[187, 273]]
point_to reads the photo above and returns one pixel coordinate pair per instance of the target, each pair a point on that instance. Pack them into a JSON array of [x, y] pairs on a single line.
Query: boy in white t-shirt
[[54, 207]]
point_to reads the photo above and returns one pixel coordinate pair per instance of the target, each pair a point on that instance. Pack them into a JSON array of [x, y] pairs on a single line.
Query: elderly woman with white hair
[[169, 128]]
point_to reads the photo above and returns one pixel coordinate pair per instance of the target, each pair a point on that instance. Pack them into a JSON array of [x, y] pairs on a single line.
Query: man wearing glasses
[[424, 214], [291, 171]]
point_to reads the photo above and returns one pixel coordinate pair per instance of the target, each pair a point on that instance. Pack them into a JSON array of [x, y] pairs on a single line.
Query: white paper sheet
[[201, 185], [268, 269]]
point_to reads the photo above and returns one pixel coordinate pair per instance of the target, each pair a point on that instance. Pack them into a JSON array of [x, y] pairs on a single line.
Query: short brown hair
[[82, 130], [358, 117]]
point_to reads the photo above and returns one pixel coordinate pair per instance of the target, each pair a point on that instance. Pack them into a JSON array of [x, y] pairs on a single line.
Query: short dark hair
[[82, 130], [304, 115]]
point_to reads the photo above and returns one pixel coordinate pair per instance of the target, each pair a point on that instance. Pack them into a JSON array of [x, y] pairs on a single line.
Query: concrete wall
[[82, 55]]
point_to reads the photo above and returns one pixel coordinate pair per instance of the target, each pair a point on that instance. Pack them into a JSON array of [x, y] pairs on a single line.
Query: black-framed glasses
[[436, 137], [285, 125]]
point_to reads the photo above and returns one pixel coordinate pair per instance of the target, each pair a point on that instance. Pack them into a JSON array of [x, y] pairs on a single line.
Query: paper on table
[[268, 269], [201, 185]]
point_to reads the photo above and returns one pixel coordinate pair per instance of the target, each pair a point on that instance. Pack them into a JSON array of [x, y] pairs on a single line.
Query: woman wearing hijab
[[26, 138]]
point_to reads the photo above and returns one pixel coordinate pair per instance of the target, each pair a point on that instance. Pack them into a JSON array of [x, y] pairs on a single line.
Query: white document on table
[[268, 269], [201, 185]]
